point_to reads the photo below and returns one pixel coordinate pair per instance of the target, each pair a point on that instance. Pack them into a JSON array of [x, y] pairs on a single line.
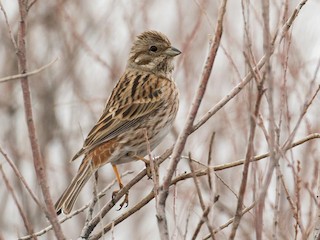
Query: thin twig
[[101, 194], [306, 104], [28, 74], [205, 209], [154, 168], [273, 144], [265, 155], [94, 199], [122, 217], [22, 213], [316, 231], [14, 43], [86, 231], [277, 203], [83, 43], [22, 179], [297, 191], [203, 219], [191, 206], [244, 211], [210, 158], [31, 4]]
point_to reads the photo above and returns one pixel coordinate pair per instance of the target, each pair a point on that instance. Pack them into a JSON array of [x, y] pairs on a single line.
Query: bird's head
[[152, 51]]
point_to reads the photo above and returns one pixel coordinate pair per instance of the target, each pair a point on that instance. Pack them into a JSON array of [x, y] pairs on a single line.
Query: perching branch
[[203, 172]]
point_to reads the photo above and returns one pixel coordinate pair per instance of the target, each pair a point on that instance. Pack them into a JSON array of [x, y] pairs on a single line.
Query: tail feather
[[70, 195]]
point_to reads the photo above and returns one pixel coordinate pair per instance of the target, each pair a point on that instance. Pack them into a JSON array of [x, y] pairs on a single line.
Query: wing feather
[[119, 116]]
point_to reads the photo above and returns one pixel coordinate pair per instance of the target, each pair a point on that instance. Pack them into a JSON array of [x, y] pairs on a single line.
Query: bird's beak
[[171, 51]]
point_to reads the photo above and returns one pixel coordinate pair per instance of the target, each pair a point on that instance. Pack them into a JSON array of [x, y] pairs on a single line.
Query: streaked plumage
[[144, 99]]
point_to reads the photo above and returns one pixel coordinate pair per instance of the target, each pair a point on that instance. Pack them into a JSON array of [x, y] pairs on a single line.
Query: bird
[[138, 115]]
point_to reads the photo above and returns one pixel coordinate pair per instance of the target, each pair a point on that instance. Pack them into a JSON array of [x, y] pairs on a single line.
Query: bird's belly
[[137, 144], [138, 141]]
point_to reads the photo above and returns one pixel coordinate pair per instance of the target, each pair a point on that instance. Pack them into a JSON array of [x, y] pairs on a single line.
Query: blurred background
[[92, 40]]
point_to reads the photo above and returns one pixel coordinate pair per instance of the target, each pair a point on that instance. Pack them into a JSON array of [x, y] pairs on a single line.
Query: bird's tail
[[70, 195]]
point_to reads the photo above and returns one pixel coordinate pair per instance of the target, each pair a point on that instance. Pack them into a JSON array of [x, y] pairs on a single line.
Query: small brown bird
[[145, 100]]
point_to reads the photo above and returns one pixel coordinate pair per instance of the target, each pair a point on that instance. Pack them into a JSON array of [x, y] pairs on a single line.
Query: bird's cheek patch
[[137, 60]]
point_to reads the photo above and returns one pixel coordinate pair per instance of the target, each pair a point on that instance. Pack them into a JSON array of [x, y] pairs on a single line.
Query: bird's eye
[[153, 49]]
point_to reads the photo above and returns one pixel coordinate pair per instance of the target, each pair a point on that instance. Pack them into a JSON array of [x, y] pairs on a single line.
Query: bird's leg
[[147, 163], [96, 176], [126, 198]]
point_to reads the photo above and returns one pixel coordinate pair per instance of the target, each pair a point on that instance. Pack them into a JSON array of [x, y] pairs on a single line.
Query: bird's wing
[[129, 104]]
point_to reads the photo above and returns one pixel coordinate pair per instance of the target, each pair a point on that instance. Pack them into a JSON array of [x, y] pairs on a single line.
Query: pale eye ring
[[153, 48]]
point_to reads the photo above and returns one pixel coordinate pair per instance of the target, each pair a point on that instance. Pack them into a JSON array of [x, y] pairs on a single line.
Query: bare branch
[[28, 74], [205, 209], [21, 178], [249, 154], [316, 231], [37, 159], [210, 158], [230, 221], [101, 194], [265, 155], [22, 213], [164, 191], [249, 76], [31, 4], [14, 43], [90, 227]]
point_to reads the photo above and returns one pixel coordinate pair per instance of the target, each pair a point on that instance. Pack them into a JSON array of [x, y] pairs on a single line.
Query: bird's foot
[[125, 201]]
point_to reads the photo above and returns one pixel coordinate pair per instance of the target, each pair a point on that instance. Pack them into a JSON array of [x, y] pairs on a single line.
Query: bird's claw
[[125, 201]]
